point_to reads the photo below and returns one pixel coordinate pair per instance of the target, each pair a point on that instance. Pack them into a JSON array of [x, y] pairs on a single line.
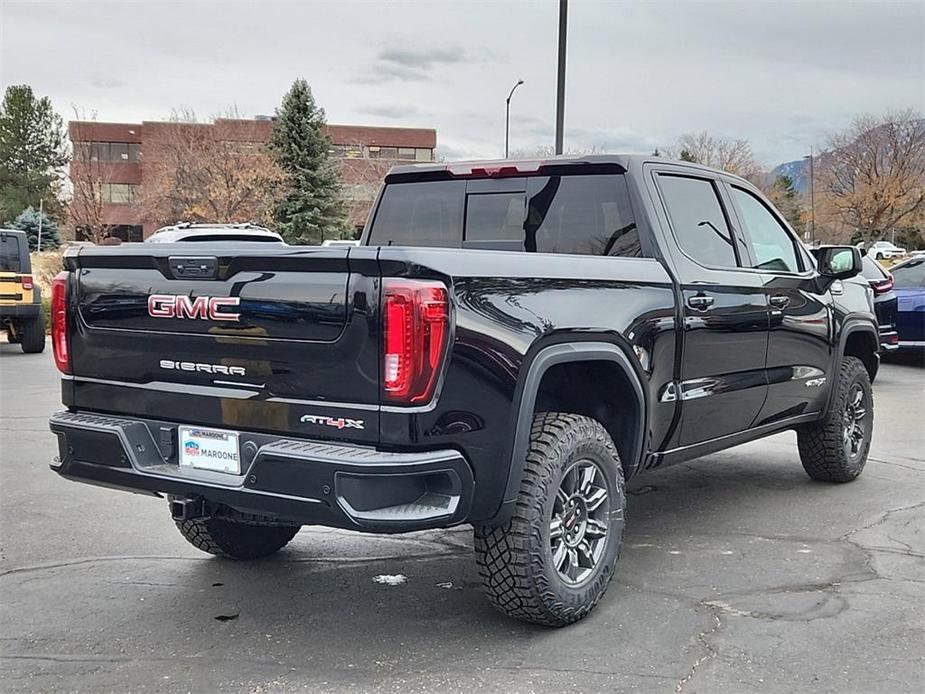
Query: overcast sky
[[639, 73]]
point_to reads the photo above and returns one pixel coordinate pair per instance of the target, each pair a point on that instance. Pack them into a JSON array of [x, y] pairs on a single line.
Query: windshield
[[9, 253]]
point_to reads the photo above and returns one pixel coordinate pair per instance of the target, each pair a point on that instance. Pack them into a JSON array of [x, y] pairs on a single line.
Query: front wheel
[[835, 448], [552, 562]]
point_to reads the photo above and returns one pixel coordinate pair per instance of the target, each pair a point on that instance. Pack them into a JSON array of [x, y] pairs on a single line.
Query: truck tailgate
[[273, 339]]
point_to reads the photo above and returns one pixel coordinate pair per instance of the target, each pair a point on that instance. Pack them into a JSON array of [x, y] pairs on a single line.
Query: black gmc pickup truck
[[509, 344]]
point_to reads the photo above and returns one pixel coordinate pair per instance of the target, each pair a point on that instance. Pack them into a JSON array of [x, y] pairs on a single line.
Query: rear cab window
[[586, 214], [10, 256]]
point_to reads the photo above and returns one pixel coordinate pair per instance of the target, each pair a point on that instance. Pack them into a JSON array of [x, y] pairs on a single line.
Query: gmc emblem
[[202, 307]]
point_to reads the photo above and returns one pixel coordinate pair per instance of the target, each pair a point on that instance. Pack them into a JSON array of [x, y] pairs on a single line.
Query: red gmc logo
[[202, 307]]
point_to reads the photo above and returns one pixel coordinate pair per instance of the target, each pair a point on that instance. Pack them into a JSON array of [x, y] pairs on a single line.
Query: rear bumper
[[306, 482], [889, 339], [912, 345], [19, 310]]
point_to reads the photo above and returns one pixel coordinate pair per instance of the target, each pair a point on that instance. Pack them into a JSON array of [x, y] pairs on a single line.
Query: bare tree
[[871, 179], [734, 156], [208, 172], [89, 175]]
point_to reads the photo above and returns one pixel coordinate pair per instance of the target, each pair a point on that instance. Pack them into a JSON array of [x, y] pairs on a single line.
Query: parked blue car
[[909, 285]]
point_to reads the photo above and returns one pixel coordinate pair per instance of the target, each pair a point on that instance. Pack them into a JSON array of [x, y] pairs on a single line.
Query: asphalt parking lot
[[739, 574]]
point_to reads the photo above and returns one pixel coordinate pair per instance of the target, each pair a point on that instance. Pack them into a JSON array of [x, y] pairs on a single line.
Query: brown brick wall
[[360, 176]]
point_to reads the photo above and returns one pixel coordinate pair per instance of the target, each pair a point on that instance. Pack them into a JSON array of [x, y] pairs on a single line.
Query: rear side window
[[871, 270], [9, 253], [697, 220], [911, 274], [584, 214]]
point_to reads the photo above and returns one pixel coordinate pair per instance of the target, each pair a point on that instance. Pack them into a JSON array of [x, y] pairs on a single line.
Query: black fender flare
[[544, 359], [850, 326]]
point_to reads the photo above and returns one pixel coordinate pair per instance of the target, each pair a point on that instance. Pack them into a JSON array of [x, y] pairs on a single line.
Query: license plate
[[210, 449]]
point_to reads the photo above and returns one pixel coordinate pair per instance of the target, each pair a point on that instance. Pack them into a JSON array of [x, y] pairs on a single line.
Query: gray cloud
[[392, 111], [782, 74], [409, 63]]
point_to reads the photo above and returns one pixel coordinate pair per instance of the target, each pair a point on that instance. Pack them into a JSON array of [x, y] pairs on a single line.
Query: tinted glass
[[118, 151], [773, 247], [910, 275], [871, 270], [420, 214], [9, 253], [494, 217], [698, 220], [588, 215]]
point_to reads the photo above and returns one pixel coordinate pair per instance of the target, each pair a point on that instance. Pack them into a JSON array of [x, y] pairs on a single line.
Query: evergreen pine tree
[[28, 221], [311, 208], [32, 150]]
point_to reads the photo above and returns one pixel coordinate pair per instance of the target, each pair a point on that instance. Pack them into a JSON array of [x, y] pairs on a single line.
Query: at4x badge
[[336, 422]]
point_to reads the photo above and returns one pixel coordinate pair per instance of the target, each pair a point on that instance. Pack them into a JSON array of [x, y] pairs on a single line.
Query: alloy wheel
[[580, 522]]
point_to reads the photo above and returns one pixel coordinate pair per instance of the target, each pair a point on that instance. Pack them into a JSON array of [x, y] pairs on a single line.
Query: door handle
[[700, 302], [780, 300]]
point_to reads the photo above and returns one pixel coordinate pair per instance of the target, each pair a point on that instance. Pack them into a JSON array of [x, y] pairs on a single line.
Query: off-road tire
[[515, 560], [236, 539], [822, 444], [33, 335]]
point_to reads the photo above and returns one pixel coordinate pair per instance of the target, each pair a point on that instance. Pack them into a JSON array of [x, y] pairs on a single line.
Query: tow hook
[[188, 508]]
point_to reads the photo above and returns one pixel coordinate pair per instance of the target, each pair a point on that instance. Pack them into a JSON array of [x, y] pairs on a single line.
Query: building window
[[406, 153], [388, 153], [119, 193], [423, 154], [108, 151]]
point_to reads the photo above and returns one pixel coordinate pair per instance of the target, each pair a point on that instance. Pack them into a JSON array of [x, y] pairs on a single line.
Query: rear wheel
[[553, 561], [32, 339], [235, 537], [835, 448]]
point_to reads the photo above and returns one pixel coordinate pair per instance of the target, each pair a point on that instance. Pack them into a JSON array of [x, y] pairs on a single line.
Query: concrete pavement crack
[[710, 652]]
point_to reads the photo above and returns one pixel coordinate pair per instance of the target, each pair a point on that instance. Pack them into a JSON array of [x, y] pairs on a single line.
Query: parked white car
[[884, 249]]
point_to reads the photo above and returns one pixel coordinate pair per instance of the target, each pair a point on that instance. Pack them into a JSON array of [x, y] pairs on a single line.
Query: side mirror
[[838, 262]]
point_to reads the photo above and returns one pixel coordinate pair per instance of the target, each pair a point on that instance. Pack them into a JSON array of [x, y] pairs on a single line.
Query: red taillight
[[59, 323], [416, 321], [26, 281], [882, 286]]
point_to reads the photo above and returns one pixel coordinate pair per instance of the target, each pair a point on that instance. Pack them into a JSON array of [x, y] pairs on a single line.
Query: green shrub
[[46, 309]]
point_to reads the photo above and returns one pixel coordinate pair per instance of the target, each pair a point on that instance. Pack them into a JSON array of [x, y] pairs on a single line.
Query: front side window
[[697, 220], [910, 275], [774, 248]]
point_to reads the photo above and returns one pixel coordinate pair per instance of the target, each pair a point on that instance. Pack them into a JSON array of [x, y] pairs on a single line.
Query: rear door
[[12, 254], [722, 383], [244, 336], [909, 286], [800, 342]]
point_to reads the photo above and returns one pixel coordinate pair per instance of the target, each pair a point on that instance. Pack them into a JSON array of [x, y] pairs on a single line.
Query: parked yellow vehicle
[[20, 299]]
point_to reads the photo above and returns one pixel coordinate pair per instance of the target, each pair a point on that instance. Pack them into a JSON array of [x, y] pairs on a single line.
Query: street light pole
[[812, 198], [38, 246], [507, 118], [560, 87]]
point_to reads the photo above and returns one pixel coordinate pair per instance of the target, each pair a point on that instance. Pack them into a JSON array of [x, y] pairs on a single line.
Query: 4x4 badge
[[336, 422]]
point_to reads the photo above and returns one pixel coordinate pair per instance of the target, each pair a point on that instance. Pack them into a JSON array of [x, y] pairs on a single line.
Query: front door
[[800, 344], [722, 384]]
